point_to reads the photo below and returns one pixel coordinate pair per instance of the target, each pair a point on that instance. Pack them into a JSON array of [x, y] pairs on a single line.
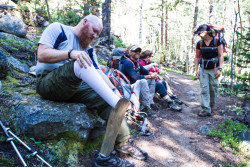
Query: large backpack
[[219, 33], [120, 81], [115, 58]]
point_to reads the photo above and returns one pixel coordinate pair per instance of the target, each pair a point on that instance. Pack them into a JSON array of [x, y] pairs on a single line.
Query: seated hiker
[[142, 80], [67, 71], [160, 86]]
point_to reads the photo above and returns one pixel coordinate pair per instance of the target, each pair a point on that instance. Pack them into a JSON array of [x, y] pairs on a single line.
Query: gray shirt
[[60, 37]]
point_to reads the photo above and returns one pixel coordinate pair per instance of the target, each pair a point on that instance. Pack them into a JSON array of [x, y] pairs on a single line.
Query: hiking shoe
[[154, 107], [147, 110], [131, 149], [111, 161], [174, 107], [204, 114], [176, 100]]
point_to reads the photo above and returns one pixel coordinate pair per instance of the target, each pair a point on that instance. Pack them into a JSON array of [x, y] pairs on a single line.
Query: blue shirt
[[132, 73]]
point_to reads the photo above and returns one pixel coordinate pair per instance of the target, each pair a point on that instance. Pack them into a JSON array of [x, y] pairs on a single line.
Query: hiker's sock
[[91, 76], [167, 98]]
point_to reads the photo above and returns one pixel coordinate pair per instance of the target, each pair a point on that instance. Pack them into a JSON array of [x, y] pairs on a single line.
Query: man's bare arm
[[46, 54]]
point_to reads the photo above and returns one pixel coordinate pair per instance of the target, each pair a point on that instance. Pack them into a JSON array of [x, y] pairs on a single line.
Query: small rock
[[0, 85], [176, 83], [204, 130], [209, 123], [191, 93]]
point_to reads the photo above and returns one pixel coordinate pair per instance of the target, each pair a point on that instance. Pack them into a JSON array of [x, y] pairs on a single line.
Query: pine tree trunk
[[166, 29], [106, 20], [162, 21], [191, 56], [211, 12], [48, 11], [141, 20]]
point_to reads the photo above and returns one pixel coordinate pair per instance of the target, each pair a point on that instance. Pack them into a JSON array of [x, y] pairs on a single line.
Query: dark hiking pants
[[62, 85]]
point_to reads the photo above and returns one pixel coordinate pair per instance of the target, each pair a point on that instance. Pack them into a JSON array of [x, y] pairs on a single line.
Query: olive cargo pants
[[62, 85], [209, 89]]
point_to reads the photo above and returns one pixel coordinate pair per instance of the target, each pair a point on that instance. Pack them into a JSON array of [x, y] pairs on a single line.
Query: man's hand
[[81, 57], [154, 76], [218, 73], [198, 74]]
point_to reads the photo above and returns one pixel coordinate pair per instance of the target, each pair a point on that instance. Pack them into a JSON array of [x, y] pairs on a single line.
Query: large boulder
[[6, 59], [41, 118], [12, 25]]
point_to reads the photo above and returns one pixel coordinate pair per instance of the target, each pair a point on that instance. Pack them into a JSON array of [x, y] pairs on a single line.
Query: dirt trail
[[176, 140]]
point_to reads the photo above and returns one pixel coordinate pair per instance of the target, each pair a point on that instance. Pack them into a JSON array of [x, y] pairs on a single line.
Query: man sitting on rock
[[142, 80], [67, 71]]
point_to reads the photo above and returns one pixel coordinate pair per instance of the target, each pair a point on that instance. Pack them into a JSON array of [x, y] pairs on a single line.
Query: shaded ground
[[176, 140]]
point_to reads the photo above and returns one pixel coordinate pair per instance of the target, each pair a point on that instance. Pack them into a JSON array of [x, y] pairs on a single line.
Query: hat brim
[[196, 32]]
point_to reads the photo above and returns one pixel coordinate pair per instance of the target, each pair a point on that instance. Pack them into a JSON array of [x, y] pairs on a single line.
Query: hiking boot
[[111, 161], [131, 149], [174, 107], [204, 114], [147, 110], [154, 107], [176, 100]]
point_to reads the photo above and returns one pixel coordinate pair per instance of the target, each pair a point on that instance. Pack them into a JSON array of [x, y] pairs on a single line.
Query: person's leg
[[160, 88], [205, 96], [141, 90], [213, 87], [91, 76], [151, 86]]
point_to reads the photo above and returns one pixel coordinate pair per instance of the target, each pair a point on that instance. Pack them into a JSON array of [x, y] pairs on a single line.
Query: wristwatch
[[69, 53]]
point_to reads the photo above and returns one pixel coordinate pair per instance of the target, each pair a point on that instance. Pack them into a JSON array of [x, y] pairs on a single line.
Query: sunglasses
[[201, 32]]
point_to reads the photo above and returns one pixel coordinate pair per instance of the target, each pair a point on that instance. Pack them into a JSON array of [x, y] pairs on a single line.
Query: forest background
[[164, 26]]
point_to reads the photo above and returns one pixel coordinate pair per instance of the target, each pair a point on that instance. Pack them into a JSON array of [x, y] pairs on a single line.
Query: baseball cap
[[135, 48], [203, 27]]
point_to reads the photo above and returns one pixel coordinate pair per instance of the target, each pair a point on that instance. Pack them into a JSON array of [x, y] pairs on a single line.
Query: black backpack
[[115, 58]]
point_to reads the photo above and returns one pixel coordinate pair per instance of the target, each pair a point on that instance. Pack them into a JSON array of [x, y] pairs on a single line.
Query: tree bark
[[48, 10], [166, 28], [211, 12], [106, 15], [162, 21], [191, 57], [141, 20]]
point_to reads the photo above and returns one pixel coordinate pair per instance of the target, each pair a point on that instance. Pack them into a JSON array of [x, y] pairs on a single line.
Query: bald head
[[88, 29], [94, 20]]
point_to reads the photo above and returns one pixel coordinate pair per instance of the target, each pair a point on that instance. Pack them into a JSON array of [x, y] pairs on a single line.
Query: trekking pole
[[31, 150], [10, 139]]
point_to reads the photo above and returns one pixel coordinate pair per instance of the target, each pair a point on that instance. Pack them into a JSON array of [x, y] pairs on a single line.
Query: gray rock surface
[[17, 64], [204, 130], [12, 25], [41, 118]]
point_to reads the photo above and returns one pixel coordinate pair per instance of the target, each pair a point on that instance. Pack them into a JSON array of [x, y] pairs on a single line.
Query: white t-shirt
[[61, 37]]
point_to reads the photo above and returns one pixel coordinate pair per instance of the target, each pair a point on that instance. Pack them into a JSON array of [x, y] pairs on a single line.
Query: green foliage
[[101, 61], [234, 90], [243, 59], [118, 42], [226, 134], [242, 164], [68, 17]]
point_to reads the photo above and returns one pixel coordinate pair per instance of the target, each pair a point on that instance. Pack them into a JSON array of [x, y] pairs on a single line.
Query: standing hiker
[[209, 54], [67, 71]]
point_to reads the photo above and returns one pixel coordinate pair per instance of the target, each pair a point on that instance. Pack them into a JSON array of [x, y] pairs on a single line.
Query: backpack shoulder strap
[[131, 61], [216, 38]]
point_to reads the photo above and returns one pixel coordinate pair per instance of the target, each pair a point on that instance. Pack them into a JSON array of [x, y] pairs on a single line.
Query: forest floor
[[176, 140]]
